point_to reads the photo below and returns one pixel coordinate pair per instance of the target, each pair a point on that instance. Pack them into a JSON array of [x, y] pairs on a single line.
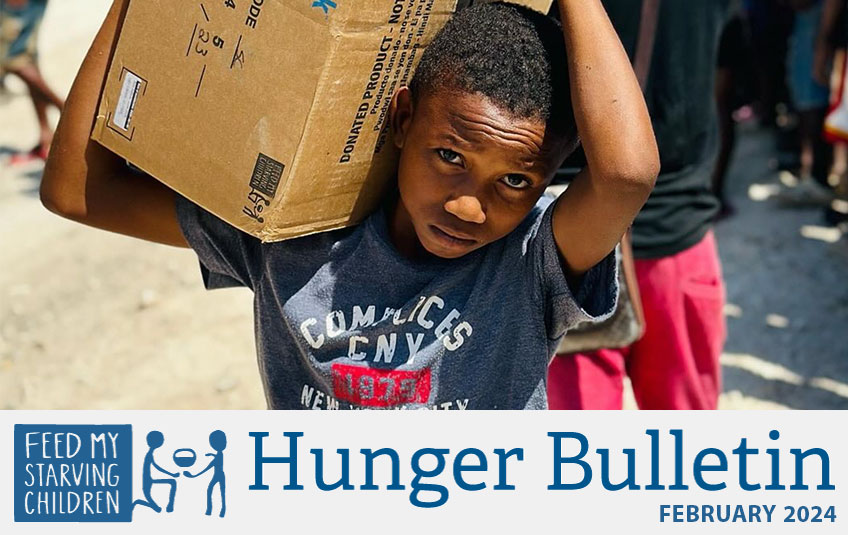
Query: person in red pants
[[675, 365]]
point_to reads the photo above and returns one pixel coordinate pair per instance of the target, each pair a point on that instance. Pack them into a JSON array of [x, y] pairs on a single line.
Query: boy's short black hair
[[508, 53]]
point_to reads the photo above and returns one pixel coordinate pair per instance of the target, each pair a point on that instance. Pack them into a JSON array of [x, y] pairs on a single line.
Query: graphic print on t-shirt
[[370, 387], [367, 349]]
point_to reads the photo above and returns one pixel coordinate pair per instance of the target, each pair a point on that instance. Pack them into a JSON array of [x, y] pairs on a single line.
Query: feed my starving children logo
[[92, 473], [84, 473]]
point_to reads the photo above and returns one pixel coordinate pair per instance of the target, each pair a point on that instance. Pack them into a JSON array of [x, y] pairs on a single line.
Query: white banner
[[424, 472]]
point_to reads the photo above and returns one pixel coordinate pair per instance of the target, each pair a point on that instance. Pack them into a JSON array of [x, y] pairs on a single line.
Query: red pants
[[675, 365]]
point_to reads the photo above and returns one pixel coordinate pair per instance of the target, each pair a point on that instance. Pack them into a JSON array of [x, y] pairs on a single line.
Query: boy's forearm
[[75, 161], [609, 109], [613, 123]]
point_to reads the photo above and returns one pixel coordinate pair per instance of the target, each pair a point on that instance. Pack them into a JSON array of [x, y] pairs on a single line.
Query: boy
[[407, 310]]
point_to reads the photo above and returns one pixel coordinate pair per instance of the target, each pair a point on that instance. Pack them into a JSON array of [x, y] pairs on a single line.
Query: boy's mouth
[[451, 239]]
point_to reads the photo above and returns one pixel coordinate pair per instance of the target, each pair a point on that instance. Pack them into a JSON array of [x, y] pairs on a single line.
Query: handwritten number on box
[[202, 38], [238, 55]]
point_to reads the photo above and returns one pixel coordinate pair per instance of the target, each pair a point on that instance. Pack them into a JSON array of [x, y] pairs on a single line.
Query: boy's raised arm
[[613, 123], [87, 183]]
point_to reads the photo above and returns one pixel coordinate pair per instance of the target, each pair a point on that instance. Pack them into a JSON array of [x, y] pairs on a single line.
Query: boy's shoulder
[[538, 218], [542, 205]]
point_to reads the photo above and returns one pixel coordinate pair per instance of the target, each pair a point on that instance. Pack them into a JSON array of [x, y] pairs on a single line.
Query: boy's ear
[[400, 115]]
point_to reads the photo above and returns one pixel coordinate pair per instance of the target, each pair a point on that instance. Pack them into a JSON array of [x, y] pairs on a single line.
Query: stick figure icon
[[218, 441], [154, 440]]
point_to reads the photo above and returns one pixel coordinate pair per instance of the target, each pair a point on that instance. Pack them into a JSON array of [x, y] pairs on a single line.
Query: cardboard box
[[271, 114]]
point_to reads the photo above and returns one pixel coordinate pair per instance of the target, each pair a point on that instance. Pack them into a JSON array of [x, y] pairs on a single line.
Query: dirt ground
[[94, 320]]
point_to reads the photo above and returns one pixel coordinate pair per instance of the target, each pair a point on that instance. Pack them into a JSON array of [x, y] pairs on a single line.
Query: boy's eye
[[516, 181], [450, 156]]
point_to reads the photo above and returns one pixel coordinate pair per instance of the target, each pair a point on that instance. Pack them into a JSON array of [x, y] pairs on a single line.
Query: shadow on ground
[[787, 291]]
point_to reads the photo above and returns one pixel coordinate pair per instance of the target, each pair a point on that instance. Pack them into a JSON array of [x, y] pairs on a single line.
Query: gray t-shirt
[[344, 321]]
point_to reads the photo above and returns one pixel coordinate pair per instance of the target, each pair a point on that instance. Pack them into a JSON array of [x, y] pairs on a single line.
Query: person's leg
[[806, 145], [812, 187], [816, 153], [31, 76], [724, 87], [172, 494], [732, 79], [222, 487], [811, 99], [45, 136], [209, 489], [22, 52], [40, 102], [144, 503], [149, 497], [675, 365], [822, 151], [22, 61], [45, 132], [591, 381]]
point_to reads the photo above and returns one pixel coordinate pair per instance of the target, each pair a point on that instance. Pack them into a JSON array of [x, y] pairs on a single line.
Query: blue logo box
[[73, 473]]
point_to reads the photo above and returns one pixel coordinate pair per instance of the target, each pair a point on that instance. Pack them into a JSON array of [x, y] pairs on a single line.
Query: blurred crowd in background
[[782, 64]]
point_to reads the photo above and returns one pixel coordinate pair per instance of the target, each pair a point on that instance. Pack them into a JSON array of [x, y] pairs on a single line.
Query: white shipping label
[[126, 101]]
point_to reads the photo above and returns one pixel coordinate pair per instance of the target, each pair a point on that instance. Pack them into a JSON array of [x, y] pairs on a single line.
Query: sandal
[[39, 152]]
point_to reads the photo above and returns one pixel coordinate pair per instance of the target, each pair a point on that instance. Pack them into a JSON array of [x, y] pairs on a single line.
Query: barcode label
[[126, 101]]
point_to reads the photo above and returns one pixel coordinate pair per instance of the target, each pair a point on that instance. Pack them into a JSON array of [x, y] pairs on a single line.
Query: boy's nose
[[467, 208]]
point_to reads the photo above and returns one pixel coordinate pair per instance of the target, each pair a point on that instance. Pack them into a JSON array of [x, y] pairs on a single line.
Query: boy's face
[[469, 172]]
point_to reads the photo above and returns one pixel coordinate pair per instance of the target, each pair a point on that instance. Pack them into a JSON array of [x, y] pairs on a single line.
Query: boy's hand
[[85, 182], [613, 122]]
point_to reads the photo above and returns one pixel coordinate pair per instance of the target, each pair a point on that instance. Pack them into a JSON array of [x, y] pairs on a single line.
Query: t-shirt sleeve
[[228, 256], [594, 300]]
